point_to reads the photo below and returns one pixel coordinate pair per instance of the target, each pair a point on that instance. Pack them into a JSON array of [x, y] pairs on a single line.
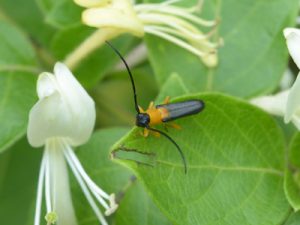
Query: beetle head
[[142, 120]]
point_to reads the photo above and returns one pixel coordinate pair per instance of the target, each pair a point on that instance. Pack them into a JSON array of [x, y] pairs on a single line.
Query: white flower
[[287, 79], [173, 23], [63, 118], [286, 103]]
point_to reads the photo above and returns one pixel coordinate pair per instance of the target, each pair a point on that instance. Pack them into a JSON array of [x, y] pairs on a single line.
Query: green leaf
[[294, 219], [292, 174], [47, 5], [137, 208], [17, 84], [19, 169], [62, 13], [235, 158], [112, 178], [254, 55], [289, 129], [27, 16], [94, 66], [173, 87]]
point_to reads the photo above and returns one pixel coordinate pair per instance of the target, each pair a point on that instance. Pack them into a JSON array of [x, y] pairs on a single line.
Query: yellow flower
[[165, 20], [118, 14]]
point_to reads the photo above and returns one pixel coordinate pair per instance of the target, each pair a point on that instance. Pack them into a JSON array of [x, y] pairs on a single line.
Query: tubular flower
[[286, 103], [63, 118], [172, 23]]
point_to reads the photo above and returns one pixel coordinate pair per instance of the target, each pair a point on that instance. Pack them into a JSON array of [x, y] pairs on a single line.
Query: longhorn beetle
[[161, 113]]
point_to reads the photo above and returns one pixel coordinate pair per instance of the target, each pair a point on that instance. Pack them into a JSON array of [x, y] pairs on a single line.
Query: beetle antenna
[[177, 146], [130, 75]]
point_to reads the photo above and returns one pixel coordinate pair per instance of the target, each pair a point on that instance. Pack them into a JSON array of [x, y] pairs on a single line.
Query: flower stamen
[[84, 175], [51, 218], [175, 11], [89, 187], [39, 197], [175, 40], [86, 191]]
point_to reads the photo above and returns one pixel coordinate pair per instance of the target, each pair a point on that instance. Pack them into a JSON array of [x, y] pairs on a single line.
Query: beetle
[[163, 113]]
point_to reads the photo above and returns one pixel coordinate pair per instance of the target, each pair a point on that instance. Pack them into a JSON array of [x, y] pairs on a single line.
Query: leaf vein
[[227, 168]]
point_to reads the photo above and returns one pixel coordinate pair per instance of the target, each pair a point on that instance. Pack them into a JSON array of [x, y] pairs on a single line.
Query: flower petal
[[91, 3], [46, 85], [48, 118], [292, 36], [80, 105], [296, 121], [287, 80], [64, 109], [275, 104], [293, 101], [119, 14], [109, 17]]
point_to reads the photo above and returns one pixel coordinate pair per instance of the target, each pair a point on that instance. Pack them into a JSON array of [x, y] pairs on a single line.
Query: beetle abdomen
[[182, 109]]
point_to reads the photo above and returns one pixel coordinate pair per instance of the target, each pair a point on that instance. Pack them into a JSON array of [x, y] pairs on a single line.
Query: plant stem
[[94, 41]]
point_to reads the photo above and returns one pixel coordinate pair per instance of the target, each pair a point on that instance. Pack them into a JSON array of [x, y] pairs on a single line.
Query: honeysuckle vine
[[63, 118], [175, 24], [286, 103]]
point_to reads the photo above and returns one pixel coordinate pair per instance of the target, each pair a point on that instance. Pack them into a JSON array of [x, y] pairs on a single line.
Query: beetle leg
[[176, 126], [156, 134], [173, 125], [151, 105], [167, 100], [146, 132], [141, 109]]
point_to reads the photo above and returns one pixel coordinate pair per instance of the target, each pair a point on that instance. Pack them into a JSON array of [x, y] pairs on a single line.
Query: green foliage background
[[238, 172]]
